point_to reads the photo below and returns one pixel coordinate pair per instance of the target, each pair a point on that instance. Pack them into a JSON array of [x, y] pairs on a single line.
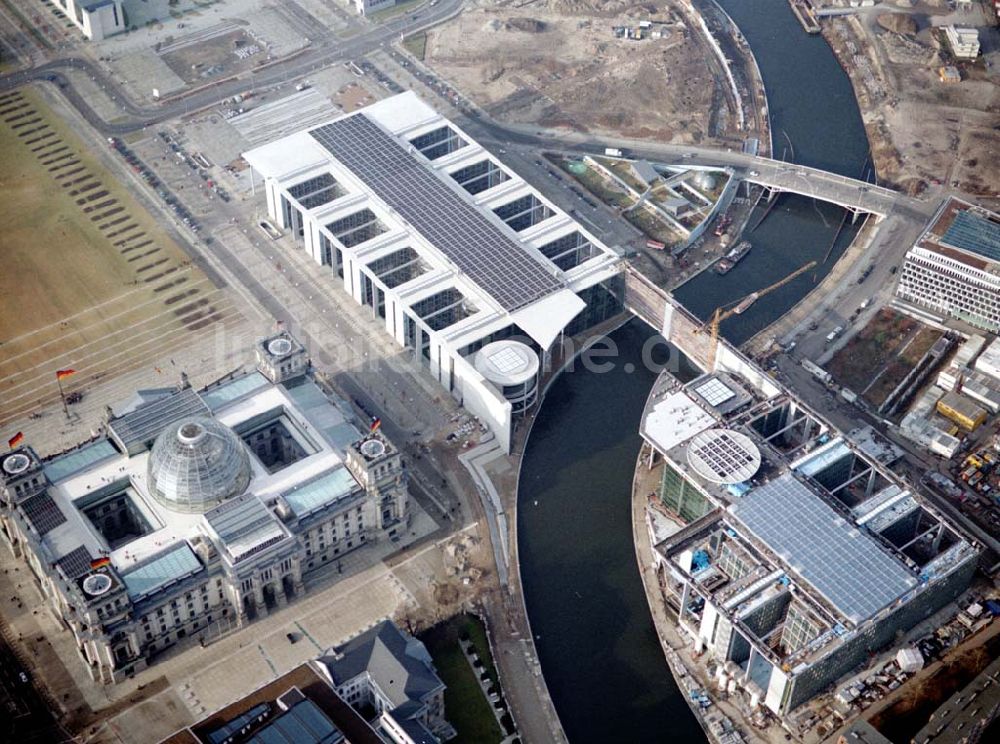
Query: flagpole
[[62, 395]]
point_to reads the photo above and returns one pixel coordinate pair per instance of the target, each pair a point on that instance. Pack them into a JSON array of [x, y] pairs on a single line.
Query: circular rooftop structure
[[723, 456], [196, 464], [507, 362], [372, 448], [16, 464], [97, 584], [279, 347]]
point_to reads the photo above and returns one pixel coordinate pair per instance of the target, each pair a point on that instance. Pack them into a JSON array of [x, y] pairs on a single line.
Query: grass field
[[90, 281], [877, 359], [466, 708]]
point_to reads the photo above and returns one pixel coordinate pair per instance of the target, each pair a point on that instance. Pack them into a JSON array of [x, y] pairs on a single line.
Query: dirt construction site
[[550, 62], [925, 127]]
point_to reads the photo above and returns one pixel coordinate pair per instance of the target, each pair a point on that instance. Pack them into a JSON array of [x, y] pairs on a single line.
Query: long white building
[[446, 244], [953, 270]]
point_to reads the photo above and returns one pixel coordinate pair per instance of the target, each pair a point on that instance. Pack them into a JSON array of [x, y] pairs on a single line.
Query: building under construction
[[802, 553]]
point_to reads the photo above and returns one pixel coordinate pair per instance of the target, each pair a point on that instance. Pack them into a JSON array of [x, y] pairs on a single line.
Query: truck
[[816, 371], [613, 152]]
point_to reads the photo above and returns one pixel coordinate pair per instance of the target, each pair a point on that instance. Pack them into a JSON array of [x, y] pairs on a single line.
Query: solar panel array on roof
[[477, 247], [974, 233], [75, 563], [840, 561], [43, 513]]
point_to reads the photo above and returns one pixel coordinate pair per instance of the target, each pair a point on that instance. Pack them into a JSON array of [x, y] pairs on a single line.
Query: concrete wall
[[481, 399]]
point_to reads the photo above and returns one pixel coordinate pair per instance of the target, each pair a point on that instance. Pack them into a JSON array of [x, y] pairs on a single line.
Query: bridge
[[778, 176], [857, 196]]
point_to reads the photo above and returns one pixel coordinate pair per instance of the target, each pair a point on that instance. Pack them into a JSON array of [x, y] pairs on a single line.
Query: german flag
[[100, 562], [62, 374], [375, 425], [15, 440]]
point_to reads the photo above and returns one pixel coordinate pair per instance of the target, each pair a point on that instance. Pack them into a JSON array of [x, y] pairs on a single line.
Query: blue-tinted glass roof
[[219, 396], [322, 491], [73, 462], [171, 565], [841, 562], [324, 414], [303, 723], [974, 233], [231, 727]]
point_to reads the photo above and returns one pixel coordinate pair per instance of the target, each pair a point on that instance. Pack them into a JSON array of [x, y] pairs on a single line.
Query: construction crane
[[723, 312]]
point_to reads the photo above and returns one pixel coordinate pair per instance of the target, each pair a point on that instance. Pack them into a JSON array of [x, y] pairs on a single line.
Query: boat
[[746, 303], [727, 262]]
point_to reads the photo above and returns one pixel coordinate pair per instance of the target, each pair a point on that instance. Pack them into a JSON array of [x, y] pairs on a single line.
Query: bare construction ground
[[91, 282], [558, 63], [879, 357], [923, 130]]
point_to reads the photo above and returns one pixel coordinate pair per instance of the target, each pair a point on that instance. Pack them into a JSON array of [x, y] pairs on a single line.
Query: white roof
[[543, 320], [674, 420], [299, 156], [507, 362]]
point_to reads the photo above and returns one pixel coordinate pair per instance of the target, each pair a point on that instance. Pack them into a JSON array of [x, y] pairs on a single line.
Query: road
[[765, 171], [135, 117], [24, 715]]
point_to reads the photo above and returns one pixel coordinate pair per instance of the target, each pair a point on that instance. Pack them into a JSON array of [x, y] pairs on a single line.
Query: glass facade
[[681, 497]]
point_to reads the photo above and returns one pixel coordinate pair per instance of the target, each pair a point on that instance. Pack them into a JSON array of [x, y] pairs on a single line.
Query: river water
[[815, 121], [596, 642]]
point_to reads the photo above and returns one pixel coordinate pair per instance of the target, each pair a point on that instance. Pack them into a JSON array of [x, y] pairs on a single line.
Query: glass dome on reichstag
[[196, 464]]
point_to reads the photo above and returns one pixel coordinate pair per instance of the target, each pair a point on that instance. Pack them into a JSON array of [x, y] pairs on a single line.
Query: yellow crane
[[723, 312]]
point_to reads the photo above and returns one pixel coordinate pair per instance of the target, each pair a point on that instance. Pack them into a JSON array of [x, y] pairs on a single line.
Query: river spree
[[597, 645], [598, 648], [815, 121]]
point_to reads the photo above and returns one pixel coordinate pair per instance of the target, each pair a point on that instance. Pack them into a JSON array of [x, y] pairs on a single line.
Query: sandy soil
[[557, 63], [923, 130]]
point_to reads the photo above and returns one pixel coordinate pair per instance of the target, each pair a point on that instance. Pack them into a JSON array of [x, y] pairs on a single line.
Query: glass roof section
[[840, 561], [325, 414], [226, 393], [141, 426], [327, 489], [171, 565], [974, 233], [73, 462], [303, 723], [196, 464], [474, 244]]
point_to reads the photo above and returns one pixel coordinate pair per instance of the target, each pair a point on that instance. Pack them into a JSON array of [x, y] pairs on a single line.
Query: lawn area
[[624, 171], [653, 226], [597, 185], [90, 280], [416, 45], [858, 361], [381, 16], [466, 707], [920, 345]]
